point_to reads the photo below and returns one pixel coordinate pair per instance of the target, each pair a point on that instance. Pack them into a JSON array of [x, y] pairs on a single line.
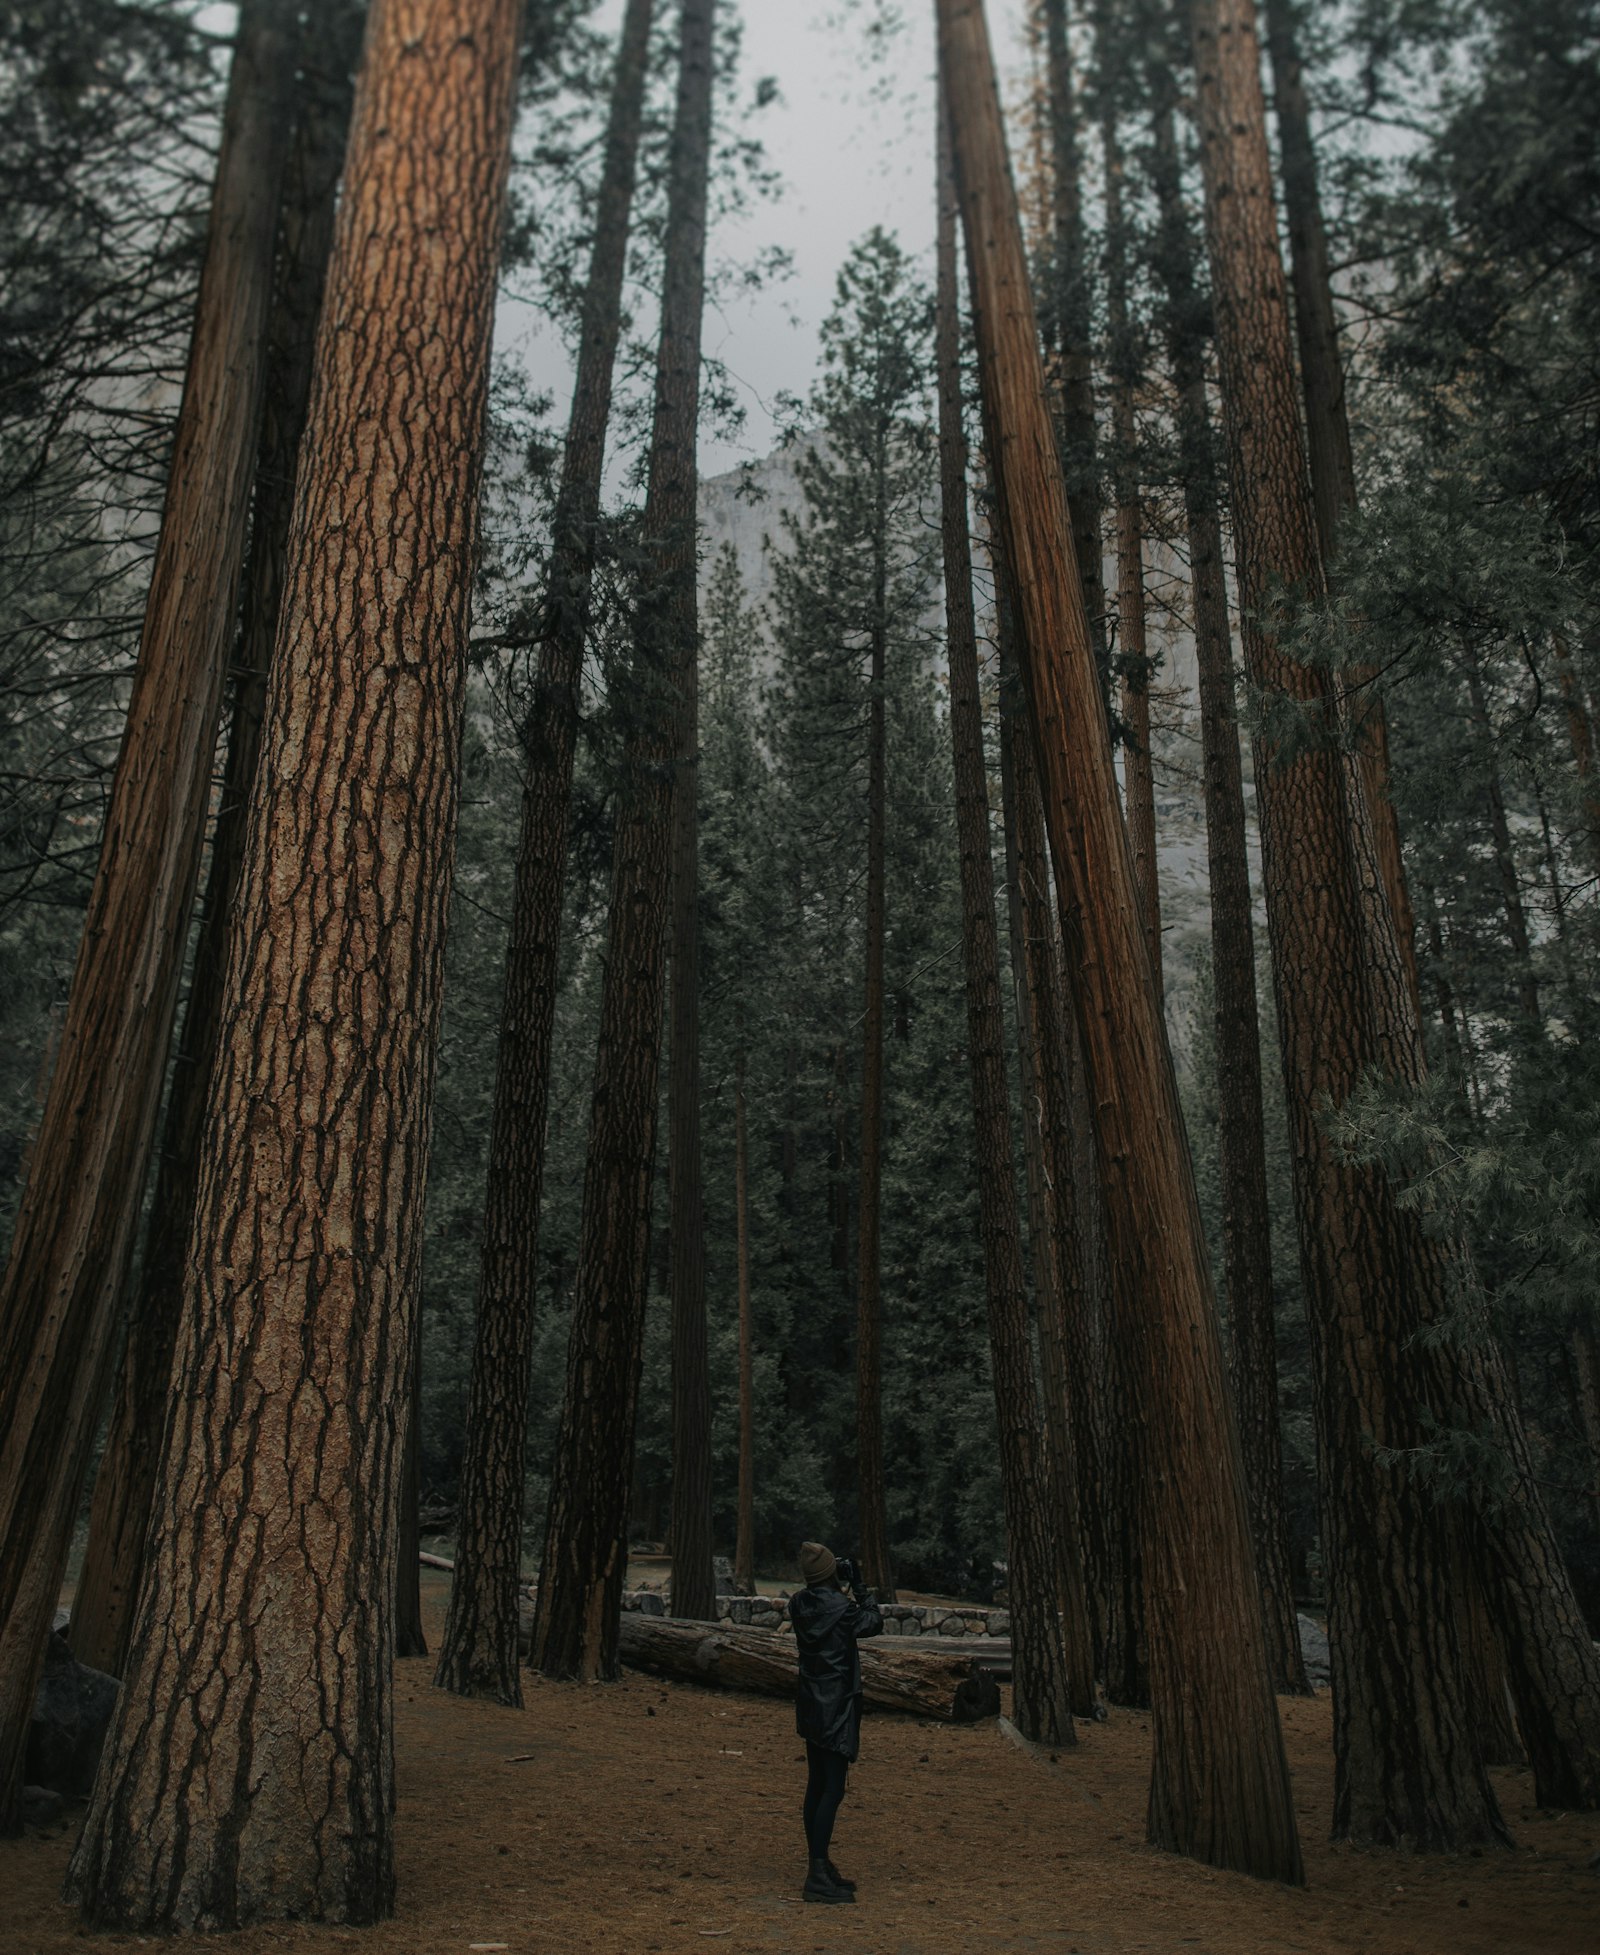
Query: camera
[[847, 1573]]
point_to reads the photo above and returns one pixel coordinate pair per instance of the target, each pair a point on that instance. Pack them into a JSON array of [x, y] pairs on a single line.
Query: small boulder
[[1314, 1649], [952, 1626], [39, 1806], [722, 1569], [999, 1623], [739, 1609], [70, 1715]]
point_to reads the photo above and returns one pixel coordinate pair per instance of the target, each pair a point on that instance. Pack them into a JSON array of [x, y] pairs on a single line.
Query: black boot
[[839, 1880], [821, 1886]]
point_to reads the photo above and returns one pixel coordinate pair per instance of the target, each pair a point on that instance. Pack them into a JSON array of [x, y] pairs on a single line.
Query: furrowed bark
[[1041, 1534], [248, 1773], [1241, 1139], [1220, 1784], [586, 1536], [87, 1170], [124, 1491], [478, 1654], [1551, 1662], [1406, 1764]]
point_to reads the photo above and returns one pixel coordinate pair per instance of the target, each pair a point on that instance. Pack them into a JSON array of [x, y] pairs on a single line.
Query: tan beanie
[[817, 1563]]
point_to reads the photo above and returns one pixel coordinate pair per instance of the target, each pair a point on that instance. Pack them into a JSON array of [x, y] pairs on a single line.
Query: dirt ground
[[649, 1817]]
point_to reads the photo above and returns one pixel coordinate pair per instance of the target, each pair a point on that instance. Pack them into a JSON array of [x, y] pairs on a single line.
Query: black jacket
[[827, 1705]]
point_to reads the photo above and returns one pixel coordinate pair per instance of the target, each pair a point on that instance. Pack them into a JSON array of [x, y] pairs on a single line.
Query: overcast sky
[[853, 140]]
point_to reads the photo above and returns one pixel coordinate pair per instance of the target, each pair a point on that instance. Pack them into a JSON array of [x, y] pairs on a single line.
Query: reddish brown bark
[[1241, 1139], [1219, 1785], [87, 1170], [1407, 1765], [586, 1535], [108, 1584], [479, 1652], [248, 1773], [1051, 1671]]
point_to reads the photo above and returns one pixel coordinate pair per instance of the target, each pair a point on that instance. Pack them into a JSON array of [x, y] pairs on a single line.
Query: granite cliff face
[[744, 508]]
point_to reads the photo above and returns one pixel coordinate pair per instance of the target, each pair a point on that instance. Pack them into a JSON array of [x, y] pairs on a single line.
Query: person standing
[[830, 1614]]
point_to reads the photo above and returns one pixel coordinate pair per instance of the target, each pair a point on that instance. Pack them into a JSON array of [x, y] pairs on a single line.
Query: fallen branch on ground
[[934, 1683]]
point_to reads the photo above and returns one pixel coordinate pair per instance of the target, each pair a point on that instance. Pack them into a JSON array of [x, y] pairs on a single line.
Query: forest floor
[[657, 1817]]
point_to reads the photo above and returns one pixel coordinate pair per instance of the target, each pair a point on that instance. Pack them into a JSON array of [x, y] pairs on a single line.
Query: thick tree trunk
[[1406, 1763], [1241, 1139], [876, 1564], [124, 1491], [1551, 1663], [1332, 462], [248, 1773], [478, 1654], [1050, 1676], [744, 1553], [944, 1686], [1055, 1218], [87, 1171], [586, 1535], [1220, 1783], [1486, 1676]]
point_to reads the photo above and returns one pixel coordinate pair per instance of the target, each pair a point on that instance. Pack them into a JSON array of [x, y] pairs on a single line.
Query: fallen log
[[934, 1683]]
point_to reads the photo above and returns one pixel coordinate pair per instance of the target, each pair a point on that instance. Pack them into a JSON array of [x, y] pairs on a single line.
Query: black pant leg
[[834, 1772]]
